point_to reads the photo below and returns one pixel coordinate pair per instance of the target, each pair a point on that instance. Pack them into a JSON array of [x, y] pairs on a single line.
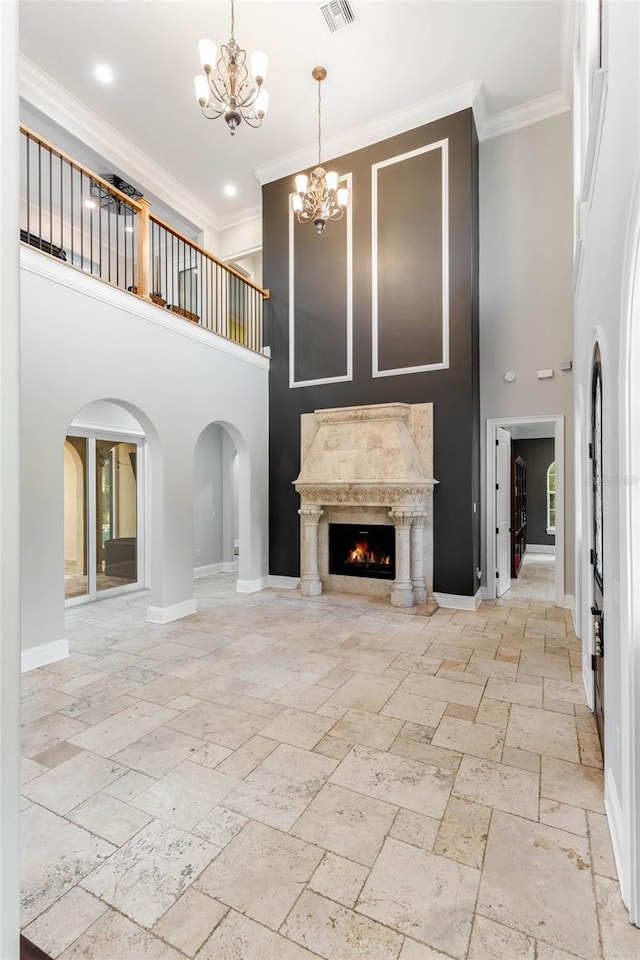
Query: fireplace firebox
[[362, 550]]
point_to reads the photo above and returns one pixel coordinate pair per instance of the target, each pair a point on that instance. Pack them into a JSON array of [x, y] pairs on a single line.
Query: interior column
[[310, 582], [402, 590]]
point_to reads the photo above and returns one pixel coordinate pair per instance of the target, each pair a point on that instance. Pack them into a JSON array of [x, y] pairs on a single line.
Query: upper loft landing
[[107, 230]]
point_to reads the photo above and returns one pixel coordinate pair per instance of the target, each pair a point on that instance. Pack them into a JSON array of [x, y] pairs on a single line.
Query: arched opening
[[103, 502], [216, 502]]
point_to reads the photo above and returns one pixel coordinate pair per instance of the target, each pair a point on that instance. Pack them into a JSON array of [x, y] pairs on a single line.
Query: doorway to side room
[[525, 507]]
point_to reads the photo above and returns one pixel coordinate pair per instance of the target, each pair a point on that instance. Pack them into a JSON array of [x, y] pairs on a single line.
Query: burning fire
[[363, 553]]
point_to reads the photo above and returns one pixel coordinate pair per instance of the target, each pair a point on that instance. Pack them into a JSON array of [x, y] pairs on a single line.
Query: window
[[551, 498]]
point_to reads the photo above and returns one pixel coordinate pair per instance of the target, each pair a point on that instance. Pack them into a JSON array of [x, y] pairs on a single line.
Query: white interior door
[[503, 511]]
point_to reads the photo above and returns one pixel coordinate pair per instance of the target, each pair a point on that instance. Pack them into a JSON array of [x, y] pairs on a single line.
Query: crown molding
[[47, 95], [522, 116], [415, 115]]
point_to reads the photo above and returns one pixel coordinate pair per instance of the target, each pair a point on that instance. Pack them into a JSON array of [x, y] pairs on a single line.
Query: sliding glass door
[[102, 511]]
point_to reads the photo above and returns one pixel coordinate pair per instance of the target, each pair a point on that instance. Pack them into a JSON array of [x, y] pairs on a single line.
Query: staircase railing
[[71, 213]]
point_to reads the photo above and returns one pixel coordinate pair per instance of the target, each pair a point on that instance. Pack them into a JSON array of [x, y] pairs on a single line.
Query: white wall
[[84, 341], [242, 238], [609, 231], [9, 488], [525, 284]]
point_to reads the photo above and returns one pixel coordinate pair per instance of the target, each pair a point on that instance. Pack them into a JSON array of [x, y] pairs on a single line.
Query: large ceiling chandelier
[[226, 89], [318, 197]]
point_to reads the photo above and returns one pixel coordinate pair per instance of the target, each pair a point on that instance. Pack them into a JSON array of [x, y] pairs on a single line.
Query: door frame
[[490, 511], [91, 435]]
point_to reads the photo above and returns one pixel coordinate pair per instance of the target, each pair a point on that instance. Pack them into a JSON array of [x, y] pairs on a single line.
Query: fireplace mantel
[[377, 459]]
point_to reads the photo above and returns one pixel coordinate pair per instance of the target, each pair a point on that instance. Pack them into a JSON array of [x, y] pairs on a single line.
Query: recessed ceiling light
[[230, 190], [90, 204], [104, 73], [128, 229]]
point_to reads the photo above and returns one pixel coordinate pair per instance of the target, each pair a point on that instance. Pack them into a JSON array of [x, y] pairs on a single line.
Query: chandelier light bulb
[[259, 64], [317, 197], [226, 89], [201, 85], [207, 50]]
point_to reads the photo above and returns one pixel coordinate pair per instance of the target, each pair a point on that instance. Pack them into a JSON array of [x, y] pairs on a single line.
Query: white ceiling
[[398, 54]]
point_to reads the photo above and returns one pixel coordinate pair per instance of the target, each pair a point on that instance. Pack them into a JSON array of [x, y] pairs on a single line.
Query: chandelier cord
[[319, 125], [233, 20]]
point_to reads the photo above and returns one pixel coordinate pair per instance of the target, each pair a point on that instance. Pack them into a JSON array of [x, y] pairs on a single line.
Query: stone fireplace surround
[[368, 464]]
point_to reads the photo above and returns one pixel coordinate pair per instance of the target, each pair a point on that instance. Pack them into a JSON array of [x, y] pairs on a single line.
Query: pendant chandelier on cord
[[226, 89], [318, 197]]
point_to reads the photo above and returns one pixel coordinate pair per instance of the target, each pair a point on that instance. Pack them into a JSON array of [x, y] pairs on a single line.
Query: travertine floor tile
[[247, 757], [415, 828], [339, 879], [555, 666], [406, 783], [620, 940], [56, 857], [220, 826], [298, 728], [148, 874], [368, 729], [463, 832], [109, 818], [493, 712], [240, 938], [64, 921], [541, 731], [120, 730], [412, 950], [511, 691], [536, 879], [280, 788], [159, 751], [185, 795], [601, 849], [223, 725], [477, 739], [430, 898], [493, 941], [560, 815], [437, 688], [346, 823], [261, 873], [573, 784], [333, 931], [415, 709], [365, 692], [497, 785], [187, 924], [113, 935]]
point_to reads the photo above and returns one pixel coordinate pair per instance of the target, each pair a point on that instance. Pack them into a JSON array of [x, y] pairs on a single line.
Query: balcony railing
[[71, 213]]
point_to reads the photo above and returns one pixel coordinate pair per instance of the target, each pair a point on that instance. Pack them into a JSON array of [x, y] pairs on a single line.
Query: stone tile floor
[[278, 778]]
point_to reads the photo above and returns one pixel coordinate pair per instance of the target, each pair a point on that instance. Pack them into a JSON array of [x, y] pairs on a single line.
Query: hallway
[[279, 778]]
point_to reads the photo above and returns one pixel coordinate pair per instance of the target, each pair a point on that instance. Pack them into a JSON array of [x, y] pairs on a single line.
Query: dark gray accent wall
[[409, 314], [538, 455]]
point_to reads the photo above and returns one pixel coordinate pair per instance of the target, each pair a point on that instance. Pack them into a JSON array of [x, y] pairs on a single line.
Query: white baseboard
[[252, 586], [207, 570], [283, 583], [175, 612], [587, 680], [458, 601], [45, 653], [230, 566], [541, 548], [484, 593], [616, 829]]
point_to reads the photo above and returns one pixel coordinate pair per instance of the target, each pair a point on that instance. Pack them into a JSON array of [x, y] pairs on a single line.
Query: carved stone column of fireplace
[[362, 466], [310, 582], [402, 590]]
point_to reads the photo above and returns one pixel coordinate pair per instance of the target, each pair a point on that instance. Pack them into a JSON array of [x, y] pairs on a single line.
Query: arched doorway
[[103, 509], [216, 520]]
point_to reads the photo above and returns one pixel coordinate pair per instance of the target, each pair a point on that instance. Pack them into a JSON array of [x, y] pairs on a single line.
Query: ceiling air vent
[[338, 14]]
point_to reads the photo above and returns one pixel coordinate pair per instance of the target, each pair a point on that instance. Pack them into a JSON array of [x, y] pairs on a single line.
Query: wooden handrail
[[207, 254], [94, 177]]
